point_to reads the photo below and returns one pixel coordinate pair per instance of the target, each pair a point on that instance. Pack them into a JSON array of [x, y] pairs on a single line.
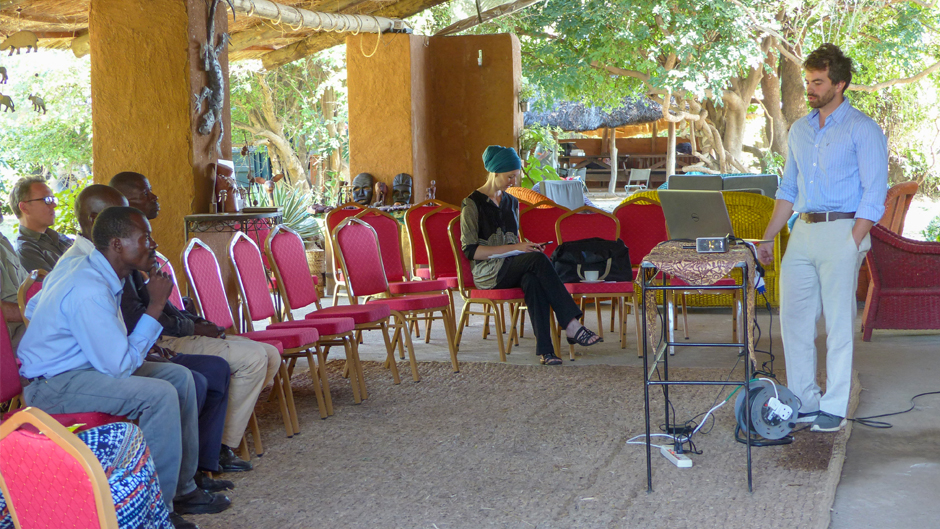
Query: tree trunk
[[792, 92], [776, 126]]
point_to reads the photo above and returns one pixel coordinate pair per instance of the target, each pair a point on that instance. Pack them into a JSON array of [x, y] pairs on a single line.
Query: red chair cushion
[[359, 313], [324, 326], [414, 302], [498, 294], [289, 338], [424, 273], [451, 282], [612, 287], [415, 287]]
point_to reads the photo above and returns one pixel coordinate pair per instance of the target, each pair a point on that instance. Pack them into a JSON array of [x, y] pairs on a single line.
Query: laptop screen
[[693, 214]]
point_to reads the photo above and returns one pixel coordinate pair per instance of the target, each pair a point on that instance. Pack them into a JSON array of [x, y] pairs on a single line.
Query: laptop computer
[[693, 214]]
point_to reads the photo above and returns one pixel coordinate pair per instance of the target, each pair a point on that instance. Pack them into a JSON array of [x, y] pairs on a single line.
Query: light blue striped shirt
[[77, 323], [841, 167]]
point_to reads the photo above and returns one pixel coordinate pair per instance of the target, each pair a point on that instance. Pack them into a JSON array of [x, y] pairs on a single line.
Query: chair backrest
[[586, 222], [30, 287], [419, 252], [389, 231], [897, 202], [765, 183], [538, 225], [567, 193], [464, 271], [333, 218], [9, 372], [434, 231], [750, 213], [285, 250], [205, 280], [167, 267], [34, 448], [361, 259], [897, 262], [642, 226], [251, 277], [695, 182], [639, 176]]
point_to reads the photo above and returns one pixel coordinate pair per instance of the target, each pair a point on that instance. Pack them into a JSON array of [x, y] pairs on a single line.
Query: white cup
[[591, 275]]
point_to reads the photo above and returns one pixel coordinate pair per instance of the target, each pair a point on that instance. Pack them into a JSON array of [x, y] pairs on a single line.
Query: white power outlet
[[680, 460]]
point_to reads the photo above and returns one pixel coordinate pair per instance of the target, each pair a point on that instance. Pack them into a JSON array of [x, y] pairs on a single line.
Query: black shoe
[[204, 482], [229, 462], [179, 523], [201, 502]]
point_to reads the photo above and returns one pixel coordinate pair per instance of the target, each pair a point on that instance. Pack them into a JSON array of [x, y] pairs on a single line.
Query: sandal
[[583, 337], [550, 360]]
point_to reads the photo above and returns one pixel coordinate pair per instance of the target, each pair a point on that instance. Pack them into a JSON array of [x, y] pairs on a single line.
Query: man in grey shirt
[[38, 245], [12, 275]]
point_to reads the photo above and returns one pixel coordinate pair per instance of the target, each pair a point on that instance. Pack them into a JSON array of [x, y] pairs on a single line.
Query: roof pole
[[298, 18]]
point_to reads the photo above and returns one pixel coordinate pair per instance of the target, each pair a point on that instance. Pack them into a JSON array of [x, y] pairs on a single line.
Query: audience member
[[78, 356], [13, 274], [253, 364], [38, 245]]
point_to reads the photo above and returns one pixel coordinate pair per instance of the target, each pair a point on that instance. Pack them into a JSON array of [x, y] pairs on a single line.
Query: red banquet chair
[[285, 250], [205, 281], [420, 261], [34, 448], [586, 222], [537, 224], [905, 283], [256, 304], [30, 287], [166, 267], [361, 258], [334, 217], [491, 298]]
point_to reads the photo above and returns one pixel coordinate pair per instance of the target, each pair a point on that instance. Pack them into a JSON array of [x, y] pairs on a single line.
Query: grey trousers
[[161, 396]]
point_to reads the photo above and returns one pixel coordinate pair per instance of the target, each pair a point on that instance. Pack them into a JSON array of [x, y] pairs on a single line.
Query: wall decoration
[[38, 104], [401, 189], [7, 103], [432, 190], [20, 39], [214, 92], [362, 188], [380, 192], [3, 75]]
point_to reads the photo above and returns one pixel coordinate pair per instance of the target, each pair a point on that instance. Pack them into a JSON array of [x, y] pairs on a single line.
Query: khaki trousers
[[818, 276], [253, 366]]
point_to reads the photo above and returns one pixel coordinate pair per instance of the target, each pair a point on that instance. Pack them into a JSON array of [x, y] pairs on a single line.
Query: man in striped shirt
[[836, 178]]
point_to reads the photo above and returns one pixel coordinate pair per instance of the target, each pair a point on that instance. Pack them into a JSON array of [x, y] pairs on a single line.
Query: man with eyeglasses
[[38, 245]]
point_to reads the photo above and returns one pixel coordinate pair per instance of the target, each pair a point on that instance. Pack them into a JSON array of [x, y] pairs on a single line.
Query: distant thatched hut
[[577, 117]]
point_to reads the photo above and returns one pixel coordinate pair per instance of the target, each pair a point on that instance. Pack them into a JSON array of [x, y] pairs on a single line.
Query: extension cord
[[680, 460]]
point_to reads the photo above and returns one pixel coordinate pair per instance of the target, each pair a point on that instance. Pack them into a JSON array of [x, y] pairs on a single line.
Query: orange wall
[[424, 106]]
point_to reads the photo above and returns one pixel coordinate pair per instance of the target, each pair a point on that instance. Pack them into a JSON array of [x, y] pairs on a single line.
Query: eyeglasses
[[50, 200]]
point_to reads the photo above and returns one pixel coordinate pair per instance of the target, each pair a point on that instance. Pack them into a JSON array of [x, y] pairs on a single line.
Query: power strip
[[680, 460]]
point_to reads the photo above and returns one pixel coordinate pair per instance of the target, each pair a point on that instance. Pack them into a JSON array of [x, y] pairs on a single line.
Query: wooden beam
[[489, 14], [338, 6], [294, 18], [253, 37], [322, 41]]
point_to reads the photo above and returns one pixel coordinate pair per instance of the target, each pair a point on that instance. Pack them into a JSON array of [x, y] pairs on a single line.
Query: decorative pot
[[523, 106]]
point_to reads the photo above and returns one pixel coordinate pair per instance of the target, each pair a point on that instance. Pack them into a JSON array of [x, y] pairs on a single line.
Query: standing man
[[836, 178], [38, 245], [253, 364]]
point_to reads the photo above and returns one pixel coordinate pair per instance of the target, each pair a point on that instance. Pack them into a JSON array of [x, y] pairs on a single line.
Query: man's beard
[[821, 99]]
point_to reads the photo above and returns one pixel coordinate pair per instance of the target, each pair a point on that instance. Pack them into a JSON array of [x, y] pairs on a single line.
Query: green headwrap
[[497, 159]]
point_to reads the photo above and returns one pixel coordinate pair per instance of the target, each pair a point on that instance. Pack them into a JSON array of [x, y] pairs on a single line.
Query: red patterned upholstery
[[586, 222], [204, 276], [167, 267], [465, 272], [498, 294], [437, 242], [359, 249], [905, 287], [251, 276], [32, 291], [419, 252], [606, 287], [324, 326], [389, 232], [642, 227], [423, 273], [288, 256], [538, 225], [50, 487], [333, 218], [415, 287], [434, 301], [289, 338], [359, 313]]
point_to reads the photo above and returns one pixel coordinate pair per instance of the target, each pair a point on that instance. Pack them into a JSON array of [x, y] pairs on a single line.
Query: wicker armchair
[[905, 287], [897, 202]]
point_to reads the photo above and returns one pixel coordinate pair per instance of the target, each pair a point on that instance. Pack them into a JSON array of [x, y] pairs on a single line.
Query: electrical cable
[[867, 421]]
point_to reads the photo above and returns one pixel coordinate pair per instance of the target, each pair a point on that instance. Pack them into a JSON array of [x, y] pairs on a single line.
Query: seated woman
[[489, 225]]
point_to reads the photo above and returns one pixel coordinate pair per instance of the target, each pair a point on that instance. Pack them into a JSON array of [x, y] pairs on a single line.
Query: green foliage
[[932, 231], [774, 163], [535, 136], [294, 200], [526, 90], [537, 169], [58, 141], [65, 220]]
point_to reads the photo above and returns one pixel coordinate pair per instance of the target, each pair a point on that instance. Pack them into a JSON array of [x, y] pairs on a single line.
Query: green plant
[[538, 135], [65, 220], [536, 170], [526, 91], [773, 163], [932, 231], [294, 201]]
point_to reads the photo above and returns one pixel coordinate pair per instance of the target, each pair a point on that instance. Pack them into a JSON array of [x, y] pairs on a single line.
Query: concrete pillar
[[145, 68]]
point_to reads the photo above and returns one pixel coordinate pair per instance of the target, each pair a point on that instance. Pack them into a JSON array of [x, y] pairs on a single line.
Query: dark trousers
[[544, 291], [211, 374]]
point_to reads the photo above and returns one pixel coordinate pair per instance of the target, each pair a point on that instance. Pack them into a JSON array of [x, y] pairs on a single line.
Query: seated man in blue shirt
[[78, 356]]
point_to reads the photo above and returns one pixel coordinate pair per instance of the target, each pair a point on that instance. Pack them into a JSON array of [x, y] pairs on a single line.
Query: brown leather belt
[[825, 216]]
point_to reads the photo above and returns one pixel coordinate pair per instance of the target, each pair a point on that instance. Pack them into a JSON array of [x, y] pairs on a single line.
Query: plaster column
[[145, 68]]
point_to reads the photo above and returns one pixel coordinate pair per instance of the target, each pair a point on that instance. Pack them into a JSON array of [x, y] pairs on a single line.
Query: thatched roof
[[57, 22], [576, 117]]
